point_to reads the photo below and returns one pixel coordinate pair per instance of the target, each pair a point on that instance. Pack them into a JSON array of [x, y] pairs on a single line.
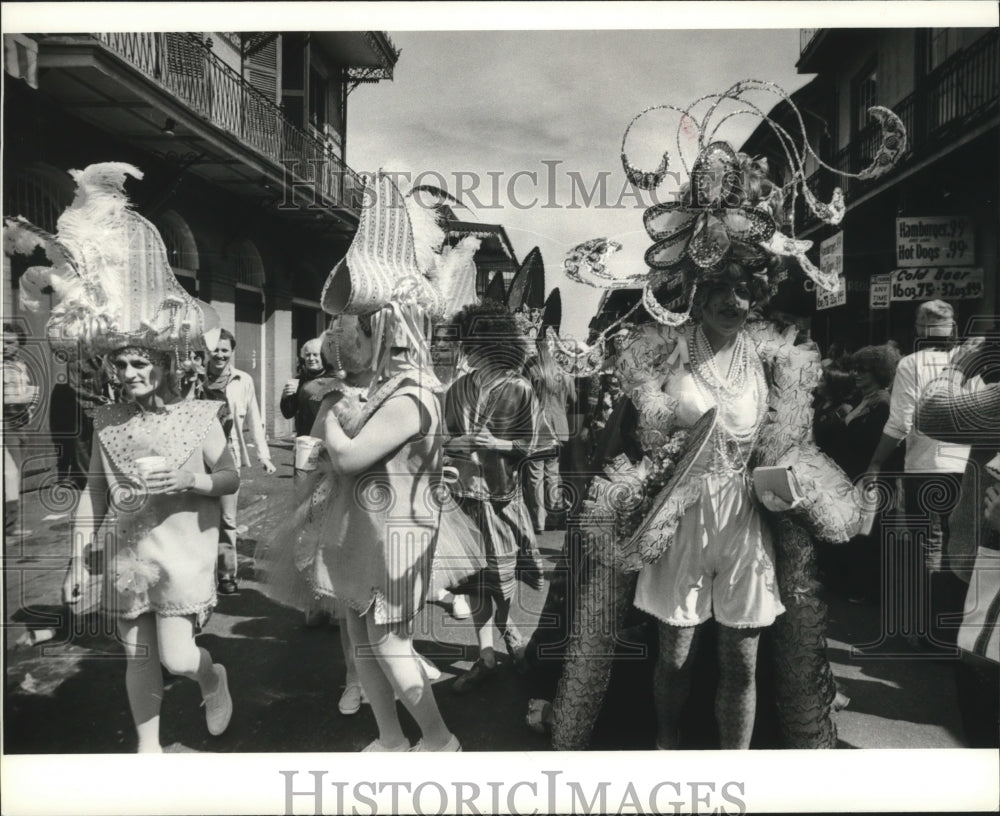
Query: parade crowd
[[715, 472]]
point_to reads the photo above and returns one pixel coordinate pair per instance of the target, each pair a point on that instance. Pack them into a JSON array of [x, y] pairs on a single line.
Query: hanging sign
[[831, 261], [879, 294], [935, 240], [944, 282]]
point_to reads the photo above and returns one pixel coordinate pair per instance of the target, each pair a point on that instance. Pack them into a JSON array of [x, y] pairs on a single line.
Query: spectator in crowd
[[962, 407], [492, 416], [302, 396], [873, 369], [554, 389], [835, 398], [226, 383], [71, 417], [19, 399], [933, 469]]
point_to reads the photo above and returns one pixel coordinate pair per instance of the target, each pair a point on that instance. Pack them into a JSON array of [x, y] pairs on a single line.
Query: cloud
[[505, 102]]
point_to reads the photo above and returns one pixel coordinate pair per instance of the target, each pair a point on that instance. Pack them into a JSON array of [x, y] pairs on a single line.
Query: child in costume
[[159, 462]]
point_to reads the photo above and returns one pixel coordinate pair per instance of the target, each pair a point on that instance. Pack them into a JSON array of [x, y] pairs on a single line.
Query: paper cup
[[145, 465], [307, 450]]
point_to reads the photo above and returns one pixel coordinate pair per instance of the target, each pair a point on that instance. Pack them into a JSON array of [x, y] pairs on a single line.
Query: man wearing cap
[[933, 468]]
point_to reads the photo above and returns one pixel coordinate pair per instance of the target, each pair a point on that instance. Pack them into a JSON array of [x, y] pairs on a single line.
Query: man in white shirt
[[933, 469]]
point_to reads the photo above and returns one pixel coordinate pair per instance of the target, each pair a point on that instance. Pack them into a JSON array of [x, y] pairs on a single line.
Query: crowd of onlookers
[[924, 528], [916, 431]]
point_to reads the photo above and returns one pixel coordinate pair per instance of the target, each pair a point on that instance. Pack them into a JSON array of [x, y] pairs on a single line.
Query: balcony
[[234, 135], [958, 95]]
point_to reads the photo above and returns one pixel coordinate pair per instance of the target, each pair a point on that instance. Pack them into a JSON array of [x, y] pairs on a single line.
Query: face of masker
[[346, 340], [140, 377], [726, 307]]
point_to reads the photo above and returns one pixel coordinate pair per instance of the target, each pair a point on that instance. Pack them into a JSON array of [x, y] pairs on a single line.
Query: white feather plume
[[456, 277], [95, 226], [428, 235]]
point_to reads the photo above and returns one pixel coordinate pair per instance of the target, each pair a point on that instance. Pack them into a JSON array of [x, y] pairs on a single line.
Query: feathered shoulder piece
[[645, 353]]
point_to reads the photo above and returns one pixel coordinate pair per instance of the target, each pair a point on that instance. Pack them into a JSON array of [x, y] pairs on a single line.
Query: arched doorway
[[182, 251]]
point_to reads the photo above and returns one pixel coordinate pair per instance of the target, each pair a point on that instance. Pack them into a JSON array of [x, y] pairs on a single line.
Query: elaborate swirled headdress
[[729, 210], [110, 279]]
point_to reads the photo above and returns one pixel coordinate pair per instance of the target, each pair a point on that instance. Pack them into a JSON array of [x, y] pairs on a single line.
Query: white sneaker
[[451, 745], [460, 607], [432, 672], [350, 700], [218, 704], [378, 747]]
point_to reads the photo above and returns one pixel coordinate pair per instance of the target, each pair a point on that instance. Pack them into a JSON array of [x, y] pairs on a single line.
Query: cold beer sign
[[945, 282], [934, 241]]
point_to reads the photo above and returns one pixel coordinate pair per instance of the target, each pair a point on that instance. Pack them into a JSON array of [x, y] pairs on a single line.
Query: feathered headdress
[[111, 282]]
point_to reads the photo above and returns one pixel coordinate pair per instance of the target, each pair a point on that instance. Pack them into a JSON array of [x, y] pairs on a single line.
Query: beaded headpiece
[[398, 273], [111, 281], [398, 256], [729, 210]]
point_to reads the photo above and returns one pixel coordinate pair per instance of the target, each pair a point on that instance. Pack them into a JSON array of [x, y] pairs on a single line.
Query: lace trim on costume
[[201, 609], [126, 432]]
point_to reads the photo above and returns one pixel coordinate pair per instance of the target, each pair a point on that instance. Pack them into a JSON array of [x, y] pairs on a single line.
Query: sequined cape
[[804, 681]]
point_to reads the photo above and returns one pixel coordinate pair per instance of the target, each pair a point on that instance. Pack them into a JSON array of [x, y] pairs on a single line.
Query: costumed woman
[[379, 528], [716, 396], [493, 420], [159, 463]]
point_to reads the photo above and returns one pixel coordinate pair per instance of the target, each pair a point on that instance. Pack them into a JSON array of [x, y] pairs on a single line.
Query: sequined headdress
[[111, 282], [728, 210]]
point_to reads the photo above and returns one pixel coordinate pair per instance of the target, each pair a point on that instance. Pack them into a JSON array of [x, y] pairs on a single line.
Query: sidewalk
[[67, 695]]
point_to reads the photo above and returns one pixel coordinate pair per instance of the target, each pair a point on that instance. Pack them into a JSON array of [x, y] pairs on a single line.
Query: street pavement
[[66, 694]]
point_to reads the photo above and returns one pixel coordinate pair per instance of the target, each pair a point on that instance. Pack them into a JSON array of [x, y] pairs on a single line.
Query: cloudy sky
[[492, 104]]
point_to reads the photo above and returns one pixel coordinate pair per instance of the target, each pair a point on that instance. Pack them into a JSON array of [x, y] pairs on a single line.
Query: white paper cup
[[307, 450], [145, 465]]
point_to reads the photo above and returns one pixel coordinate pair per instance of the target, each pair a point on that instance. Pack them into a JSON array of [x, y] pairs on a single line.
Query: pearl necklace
[[707, 370], [733, 448]]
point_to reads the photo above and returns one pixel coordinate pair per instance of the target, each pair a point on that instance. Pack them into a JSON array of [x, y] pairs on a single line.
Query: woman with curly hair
[[873, 369], [492, 415]]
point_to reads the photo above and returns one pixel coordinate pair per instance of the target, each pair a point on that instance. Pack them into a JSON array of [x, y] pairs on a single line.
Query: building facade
[[929, 227], [242, 141]]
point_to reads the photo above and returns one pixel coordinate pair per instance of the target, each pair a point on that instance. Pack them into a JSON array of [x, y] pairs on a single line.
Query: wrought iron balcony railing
[[185, 65], [959, 93]]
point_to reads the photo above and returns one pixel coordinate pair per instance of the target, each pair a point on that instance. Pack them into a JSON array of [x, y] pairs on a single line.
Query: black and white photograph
[[545, 384]]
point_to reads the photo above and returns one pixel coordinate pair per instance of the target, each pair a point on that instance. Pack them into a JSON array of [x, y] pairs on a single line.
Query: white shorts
[[720, 563]]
